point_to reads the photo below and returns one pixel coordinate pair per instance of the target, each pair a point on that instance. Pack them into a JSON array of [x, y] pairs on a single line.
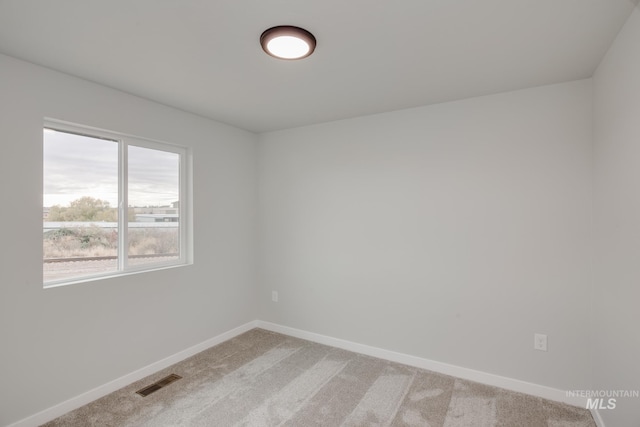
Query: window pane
[[154, 206], [80, 199]]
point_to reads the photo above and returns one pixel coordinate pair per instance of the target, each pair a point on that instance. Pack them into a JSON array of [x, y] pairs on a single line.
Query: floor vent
[[158, 385]]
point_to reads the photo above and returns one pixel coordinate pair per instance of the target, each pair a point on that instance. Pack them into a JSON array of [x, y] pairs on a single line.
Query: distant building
[[156, 210], [157, 217]]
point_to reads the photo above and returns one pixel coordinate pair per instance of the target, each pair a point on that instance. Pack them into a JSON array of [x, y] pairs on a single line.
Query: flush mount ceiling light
[[287, 42]]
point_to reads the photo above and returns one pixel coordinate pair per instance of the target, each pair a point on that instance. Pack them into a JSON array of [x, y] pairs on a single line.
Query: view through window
[[111, 204]]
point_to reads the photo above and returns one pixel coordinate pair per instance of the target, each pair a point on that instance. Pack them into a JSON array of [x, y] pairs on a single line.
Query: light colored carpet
[[261, 378]]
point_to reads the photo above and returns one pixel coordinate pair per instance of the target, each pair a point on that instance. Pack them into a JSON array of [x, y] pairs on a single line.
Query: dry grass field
[[93, 241]]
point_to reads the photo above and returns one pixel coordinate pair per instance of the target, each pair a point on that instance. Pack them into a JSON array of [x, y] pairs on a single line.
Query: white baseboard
[[98, 392], [597, 418], [443, 368]]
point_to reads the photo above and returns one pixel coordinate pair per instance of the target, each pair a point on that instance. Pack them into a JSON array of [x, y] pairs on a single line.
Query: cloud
[[77, 166]]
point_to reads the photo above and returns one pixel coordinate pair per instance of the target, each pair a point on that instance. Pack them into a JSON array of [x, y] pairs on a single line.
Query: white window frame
[[184, 209]]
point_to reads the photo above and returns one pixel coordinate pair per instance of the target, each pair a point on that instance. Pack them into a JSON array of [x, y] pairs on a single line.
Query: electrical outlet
[[274, 296], [540, 342]]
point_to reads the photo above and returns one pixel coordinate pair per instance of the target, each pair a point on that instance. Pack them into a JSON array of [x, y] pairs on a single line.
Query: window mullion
[[183, 208], [123, 211]]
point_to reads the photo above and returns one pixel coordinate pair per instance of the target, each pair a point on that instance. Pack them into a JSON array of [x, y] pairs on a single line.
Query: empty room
[[357, 213]]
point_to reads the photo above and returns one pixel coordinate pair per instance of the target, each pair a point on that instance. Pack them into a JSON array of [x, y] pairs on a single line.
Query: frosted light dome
[[287, 42]]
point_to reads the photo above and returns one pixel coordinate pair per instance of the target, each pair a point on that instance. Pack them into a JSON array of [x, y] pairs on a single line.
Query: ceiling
[[204, 56]]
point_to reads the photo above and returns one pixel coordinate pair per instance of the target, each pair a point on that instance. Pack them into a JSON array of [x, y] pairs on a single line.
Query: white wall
[[616, 334], [451, 232], [58, 343]]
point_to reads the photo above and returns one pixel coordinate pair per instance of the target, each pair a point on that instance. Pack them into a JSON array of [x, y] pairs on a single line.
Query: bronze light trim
[[290, 31]]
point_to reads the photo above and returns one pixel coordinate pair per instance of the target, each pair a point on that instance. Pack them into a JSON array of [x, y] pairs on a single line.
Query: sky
[[77, 166]]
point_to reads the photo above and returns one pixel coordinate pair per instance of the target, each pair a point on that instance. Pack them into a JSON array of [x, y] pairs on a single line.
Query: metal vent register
[[146, 391]]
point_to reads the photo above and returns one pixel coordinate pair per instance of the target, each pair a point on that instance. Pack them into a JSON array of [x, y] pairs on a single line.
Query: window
[[112, 204]]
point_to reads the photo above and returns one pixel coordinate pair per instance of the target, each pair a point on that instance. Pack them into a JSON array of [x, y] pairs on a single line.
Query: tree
[[84, 209]]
